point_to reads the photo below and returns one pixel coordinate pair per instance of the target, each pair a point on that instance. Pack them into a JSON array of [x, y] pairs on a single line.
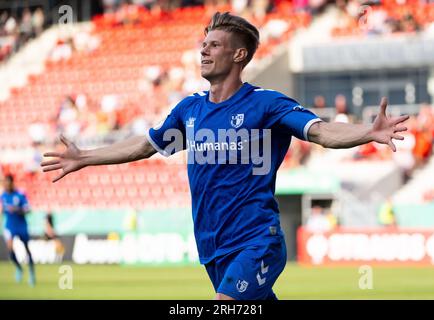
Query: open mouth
[[206, 61]]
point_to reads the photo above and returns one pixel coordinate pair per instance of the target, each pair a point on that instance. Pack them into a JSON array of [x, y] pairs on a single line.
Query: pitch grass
[[180, 282]]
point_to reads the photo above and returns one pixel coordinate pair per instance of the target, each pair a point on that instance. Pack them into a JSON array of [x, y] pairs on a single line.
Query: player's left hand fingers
[[49, 163], [51, 168], [52, 154]]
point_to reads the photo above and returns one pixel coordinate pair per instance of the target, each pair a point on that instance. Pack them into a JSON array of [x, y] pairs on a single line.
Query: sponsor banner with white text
[[383, 246], [128, 248]]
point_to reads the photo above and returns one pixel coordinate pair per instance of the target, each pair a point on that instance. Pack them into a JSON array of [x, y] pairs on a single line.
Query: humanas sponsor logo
[[224, 146]]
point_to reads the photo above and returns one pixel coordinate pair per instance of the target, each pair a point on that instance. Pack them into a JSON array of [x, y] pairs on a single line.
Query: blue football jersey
[[13, 220], [234, 150]]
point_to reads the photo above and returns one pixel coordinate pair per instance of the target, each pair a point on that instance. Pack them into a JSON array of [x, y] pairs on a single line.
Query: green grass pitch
[[180, 282]]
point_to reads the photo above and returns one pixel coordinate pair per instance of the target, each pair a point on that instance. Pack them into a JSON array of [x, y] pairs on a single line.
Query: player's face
[[217, 55], [8, 185]]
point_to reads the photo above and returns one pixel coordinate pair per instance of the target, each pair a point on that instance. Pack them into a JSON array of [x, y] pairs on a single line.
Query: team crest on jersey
[[237, 120], [242, 285]]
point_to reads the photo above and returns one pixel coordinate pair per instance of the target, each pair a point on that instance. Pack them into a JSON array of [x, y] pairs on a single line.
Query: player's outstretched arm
[[344, 135], [73, 159]]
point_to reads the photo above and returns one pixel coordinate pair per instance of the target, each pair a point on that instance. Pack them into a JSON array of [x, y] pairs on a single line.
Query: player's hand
[[385, 129], [12, 208], [67, 161]]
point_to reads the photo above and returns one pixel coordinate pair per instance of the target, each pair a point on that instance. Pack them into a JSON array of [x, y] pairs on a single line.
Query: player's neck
[[222, 90]]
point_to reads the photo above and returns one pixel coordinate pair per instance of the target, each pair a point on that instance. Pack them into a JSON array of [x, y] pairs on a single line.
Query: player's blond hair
[[246, 33]]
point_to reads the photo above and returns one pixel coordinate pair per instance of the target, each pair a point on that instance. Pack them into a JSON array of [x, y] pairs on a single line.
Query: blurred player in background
[[236, 217], [14, 207], [50, 235]]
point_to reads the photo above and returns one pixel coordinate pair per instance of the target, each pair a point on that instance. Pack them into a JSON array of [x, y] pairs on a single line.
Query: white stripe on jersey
[[263, 89]]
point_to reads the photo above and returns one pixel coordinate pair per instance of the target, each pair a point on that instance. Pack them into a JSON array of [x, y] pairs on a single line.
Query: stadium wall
[[275, 73]]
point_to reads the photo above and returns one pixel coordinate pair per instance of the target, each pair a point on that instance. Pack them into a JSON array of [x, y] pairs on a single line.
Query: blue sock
[[14, 260], [32, 279]]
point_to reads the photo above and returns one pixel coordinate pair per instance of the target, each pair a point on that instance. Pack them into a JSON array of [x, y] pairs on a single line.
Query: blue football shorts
[[9, 234], [250, 273]]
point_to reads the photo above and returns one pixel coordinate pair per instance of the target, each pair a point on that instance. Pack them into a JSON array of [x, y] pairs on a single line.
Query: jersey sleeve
[[168, 136], [287, 114], [2, 204]]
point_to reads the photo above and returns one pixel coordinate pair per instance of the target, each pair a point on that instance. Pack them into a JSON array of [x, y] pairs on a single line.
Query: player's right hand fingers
[[392, 145], [383, 105], [51, 168], [52, 154], [49, 163], [400, 119]]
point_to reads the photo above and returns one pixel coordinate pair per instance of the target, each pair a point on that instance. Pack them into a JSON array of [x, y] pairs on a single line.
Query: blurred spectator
[[63, 50], [319, 221], [386, 214], [50, 235], [259, 9], [107, 115], [423, 145], [301, 5], [409, 24], [3, 18], [319, 102], [33, 165], [10, 25], [37, 131], [38, 20], [67, 120], [109, 6], [15, 31], [367, 151], [403, 156], [129, 12], [26, 27], [298, 154], [130, 222], [85, 42], [378, 18], [341, 109], [239, 6], [274, 29]]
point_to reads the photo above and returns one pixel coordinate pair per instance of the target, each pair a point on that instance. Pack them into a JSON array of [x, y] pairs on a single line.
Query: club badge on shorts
[[242, 285]]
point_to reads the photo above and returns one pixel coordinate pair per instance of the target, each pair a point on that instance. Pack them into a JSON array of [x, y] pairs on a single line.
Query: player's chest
[[13, 200], [231, 117]]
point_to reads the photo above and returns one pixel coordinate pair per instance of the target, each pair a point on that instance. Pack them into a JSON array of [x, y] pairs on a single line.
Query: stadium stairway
[[365, 184], [318, 31], [417, 187]]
